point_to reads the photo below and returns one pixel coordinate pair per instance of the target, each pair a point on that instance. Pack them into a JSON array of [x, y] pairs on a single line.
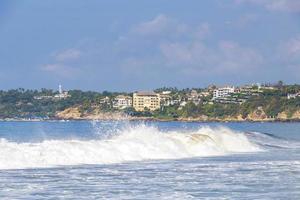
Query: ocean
[[149, 160]]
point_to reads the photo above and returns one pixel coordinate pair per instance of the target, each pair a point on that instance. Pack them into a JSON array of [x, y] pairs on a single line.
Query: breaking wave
[[136, 143]]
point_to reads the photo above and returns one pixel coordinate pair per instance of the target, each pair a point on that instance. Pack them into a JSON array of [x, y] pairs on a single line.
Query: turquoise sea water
[[149, 160]]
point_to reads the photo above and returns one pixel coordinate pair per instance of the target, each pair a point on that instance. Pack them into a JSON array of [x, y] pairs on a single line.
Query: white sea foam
[[131, 144]]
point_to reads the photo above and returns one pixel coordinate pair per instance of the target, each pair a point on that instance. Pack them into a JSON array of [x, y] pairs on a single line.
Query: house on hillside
[[146, 100], [122, 102]]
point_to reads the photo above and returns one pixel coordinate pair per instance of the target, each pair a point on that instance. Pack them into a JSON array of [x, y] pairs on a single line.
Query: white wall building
[[222, 92], [61, 93], [293, 96], [105, 100], [122, 102]]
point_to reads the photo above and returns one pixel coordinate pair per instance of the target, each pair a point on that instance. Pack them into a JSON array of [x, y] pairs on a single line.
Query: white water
[[132, 144]]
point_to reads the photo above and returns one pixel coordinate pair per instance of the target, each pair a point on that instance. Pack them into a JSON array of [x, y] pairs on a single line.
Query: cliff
[[258, 115], [75, 113], [284, 116], [69, 113]]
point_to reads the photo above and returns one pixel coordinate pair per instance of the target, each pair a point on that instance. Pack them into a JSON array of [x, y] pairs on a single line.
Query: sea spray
[[107, 129], [133, 143]]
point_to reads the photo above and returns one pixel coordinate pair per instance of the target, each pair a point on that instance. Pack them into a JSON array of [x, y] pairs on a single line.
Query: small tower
[[60, 89]]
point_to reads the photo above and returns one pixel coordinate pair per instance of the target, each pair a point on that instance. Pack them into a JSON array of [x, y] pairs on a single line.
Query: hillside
[[264, 105]]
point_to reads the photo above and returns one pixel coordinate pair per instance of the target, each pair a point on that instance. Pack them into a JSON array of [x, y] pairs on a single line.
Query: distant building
[[61, 94], [167, 99], [247, 91], [194, 97], [183, 103], [166, 92], [105, 100], [194, 94], [223, 92], [204, 94], [146, 100], [122, 102], [268, 88], [60, 90], [293, 96], [43, 97]]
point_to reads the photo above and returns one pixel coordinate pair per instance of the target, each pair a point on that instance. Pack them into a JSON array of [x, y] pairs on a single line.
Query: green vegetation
[[21, 103]]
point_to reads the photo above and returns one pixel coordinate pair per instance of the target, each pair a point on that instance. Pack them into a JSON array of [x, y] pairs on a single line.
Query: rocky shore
[[74, 113], [256, 116]]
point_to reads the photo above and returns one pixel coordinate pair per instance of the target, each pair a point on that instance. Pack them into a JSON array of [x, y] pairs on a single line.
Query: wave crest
[[131, 144]]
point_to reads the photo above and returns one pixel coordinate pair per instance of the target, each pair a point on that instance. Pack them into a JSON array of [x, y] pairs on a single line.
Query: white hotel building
[[222, 92], [122, 102]]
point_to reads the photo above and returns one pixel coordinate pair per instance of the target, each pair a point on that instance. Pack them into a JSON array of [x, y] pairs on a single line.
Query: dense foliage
[[21, 103]]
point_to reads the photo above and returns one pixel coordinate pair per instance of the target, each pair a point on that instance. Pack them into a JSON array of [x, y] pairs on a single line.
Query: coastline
[[210, 120]]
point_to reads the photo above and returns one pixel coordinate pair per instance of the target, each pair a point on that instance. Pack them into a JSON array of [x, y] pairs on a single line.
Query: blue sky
[[140, 44]]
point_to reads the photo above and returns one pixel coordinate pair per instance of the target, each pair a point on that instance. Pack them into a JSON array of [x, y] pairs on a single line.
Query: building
[[166, 98], [146, 100], [292, 96], [61, 94], [122, 102], [223, 92], [204, 94], [166, 92], [194, 97], [105, 100], [43, 97]]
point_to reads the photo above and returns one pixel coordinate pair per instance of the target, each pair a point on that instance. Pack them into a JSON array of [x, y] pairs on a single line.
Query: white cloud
[[159, 30], [202, 31], [159, 25], [275, 5], [227, 58], [236, 57], [164, 48], [246, 19], [188, 53], [292, 47], [289, 55], [51, 67], [166, 27], [68, 55], [182, 53], [64, 63], [61, 70]]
